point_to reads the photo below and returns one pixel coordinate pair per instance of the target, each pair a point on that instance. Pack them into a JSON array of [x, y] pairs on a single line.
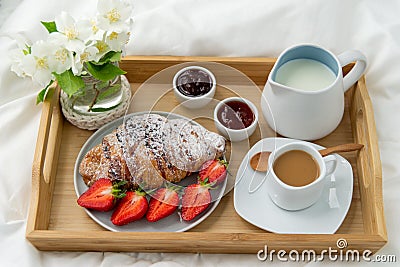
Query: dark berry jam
[[235, 115], [194, 82]]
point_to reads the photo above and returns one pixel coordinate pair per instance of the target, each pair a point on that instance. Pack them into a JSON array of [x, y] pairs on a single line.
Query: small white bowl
[[194, 102], [236, 135]]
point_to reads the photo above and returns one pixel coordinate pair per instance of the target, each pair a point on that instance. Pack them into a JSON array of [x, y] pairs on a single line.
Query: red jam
[[235, 115], [194, 82]]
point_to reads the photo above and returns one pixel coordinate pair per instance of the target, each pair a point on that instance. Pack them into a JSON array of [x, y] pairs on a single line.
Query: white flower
[[37, 64], [96, 33], [75, 42], [113, 15], [72, 33], [60, 60], [117, 41], [17, 55], [88, 55], [103, 48]]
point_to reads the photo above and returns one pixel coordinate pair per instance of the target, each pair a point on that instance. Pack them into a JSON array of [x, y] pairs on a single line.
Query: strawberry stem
[[140, 192], [223, 162], [207, 184], [116, 191], [120, 183]]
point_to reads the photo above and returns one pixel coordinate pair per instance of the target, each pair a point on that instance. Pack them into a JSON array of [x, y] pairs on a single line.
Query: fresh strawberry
[[101, 196], [195, 200], [214, 170], [131, 208], [162, 204]]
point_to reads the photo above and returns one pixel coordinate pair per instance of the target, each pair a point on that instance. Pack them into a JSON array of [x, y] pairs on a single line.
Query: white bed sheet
[[212, 28]]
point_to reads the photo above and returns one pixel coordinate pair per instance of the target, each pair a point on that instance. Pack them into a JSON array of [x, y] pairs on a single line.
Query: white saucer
[[324, 217]]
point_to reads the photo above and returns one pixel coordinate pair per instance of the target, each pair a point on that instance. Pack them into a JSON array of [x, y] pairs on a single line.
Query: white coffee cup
[[298, 197]]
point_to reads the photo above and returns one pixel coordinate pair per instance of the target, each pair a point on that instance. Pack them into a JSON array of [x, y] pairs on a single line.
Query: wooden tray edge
[[369, 162], [45, 162], [193, 242], [157, 63]]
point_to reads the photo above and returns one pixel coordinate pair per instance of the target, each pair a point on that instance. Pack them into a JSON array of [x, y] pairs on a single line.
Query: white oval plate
[[258, 209], [172, 223]]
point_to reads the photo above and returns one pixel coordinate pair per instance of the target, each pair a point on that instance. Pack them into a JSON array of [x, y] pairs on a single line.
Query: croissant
[[148, 150]]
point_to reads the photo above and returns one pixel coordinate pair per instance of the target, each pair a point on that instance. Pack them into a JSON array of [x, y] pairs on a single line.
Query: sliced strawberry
[[195, 200], [101, 196], [214, 170], [131, 208], [162, 204]]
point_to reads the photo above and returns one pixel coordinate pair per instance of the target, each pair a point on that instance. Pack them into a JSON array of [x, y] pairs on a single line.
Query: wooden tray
[[56, 222]]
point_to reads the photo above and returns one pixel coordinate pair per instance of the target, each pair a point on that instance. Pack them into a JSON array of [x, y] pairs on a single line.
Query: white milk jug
[[304, 94]]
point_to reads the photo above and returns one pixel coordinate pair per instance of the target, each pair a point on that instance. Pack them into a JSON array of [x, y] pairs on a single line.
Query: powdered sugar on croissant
[[188, 146], [149, 149]]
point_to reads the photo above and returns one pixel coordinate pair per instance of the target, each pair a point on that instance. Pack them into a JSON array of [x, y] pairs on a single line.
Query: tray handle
[[45, 162], [45, 144], [368, 161]]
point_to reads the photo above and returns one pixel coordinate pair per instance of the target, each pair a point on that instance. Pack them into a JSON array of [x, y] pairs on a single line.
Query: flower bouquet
[[81, 56]]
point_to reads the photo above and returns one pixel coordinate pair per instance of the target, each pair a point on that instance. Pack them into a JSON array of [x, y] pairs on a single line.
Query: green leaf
[[104, 72], [40, 96], [43, 93], [111, 56], [108, 92], [50, 26], [28, 50], [116, 57], [103, 109], [68, 82]]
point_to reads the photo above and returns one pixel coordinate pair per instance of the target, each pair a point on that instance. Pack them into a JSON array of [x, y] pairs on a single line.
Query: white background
[[197, 28]]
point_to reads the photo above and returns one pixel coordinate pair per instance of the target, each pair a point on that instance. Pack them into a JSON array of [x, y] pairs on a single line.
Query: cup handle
[[330, 168], [356, 72]]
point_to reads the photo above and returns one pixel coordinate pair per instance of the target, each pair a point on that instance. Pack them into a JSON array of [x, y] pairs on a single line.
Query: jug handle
[[358, 69]]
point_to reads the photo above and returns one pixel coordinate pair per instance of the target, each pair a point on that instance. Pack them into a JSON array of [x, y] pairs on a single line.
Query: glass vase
[[97, 96]]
